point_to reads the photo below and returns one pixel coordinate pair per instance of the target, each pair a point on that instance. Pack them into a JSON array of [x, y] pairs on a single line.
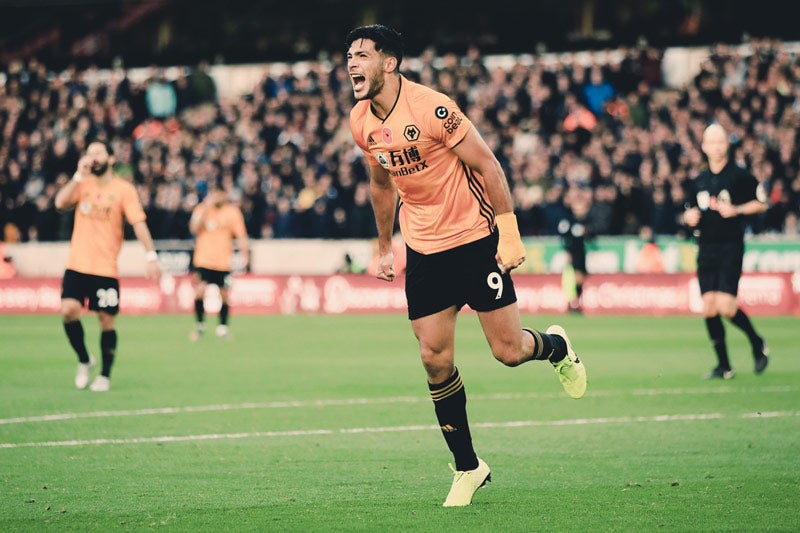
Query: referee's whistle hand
[[691, 217]]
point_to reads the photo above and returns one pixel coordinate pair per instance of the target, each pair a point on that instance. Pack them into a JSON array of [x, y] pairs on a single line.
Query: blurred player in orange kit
[[102, 199], [216, 223], [456, 217]]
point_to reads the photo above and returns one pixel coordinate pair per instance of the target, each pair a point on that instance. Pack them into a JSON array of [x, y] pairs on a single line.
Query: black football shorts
[[467, 274], [220, 278], [102, 292], [719, 267]]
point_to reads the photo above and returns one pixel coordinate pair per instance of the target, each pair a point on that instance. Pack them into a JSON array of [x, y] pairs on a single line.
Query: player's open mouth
[[358, 81]]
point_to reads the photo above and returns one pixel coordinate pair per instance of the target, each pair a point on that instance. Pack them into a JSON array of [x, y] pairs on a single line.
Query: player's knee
[[436, 362], [70, 311], [106, 321], [507, 353], [431, 359]]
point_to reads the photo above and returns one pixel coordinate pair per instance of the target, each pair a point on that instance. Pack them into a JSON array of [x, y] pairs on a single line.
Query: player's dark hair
[[387, 40], [109, 148]]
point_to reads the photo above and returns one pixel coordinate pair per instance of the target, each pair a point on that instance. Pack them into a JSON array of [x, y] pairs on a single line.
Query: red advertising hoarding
[[647, 294]]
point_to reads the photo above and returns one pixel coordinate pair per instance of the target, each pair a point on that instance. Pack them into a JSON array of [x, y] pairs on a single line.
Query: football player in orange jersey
[[456, 216], [104, 201], [215, 223]]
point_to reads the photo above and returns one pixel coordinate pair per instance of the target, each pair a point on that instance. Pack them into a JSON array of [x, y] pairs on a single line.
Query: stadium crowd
[[607, 135]]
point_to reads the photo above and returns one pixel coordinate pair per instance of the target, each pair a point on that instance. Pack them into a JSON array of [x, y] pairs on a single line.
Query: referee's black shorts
[[719, 267], [467, 274]]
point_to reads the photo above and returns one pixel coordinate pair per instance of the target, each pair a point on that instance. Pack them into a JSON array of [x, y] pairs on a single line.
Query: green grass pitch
[[323, 423]]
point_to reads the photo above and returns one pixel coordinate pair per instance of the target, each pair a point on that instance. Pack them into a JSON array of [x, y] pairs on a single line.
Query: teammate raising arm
[[103, 201], [215, 223]]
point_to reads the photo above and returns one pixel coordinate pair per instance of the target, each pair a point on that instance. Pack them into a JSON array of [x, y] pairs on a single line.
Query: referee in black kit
[[720, 198]]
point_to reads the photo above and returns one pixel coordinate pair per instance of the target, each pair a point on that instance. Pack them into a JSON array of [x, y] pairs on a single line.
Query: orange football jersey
[[443, 202], [213, 247], [97, 234]]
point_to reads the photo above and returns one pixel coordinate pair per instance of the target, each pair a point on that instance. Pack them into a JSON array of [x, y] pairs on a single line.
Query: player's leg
[[105, 300], [710, 266], [513, 345], [436, 335], [108, 350], [729, 308], [716, 332], [71, 316], [72, 297], [491, 293], [435, 287], [224, 283], [200, 286], [579, 266], [580, 279], [510, 344], [222, 330]]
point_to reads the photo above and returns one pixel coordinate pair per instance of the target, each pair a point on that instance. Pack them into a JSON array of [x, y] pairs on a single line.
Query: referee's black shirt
[[733, 185]]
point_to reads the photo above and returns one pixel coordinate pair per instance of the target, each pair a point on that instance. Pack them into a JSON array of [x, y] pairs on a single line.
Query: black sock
[[199, 311], [741, 321], [223, 314], [450, 403], [559, 348], [548, 347], [74, 332], [544, 347], [716, 332], [108, 347]]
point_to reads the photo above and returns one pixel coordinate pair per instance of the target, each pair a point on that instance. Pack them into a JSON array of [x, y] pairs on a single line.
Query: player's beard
[[98, 169], [218, 197], [375, 87]]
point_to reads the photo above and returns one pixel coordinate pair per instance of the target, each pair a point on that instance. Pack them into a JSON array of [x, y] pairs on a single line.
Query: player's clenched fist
[[510, 250]]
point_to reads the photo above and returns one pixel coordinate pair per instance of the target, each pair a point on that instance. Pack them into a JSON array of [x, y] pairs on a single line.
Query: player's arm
[[242, 241], [66, 197], [752, 207], [691, 217], [691, 214], [143, 235], [753, 203], [196, 220], [474, 152], [384, 203]]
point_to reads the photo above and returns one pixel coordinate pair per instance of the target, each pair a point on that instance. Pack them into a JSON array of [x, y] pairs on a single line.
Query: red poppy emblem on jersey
[[386, 134]]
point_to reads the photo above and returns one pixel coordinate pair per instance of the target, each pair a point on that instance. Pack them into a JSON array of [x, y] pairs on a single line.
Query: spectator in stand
[[290, 122], [160, 95], [650, 259], [203, 86], [597, 92]]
